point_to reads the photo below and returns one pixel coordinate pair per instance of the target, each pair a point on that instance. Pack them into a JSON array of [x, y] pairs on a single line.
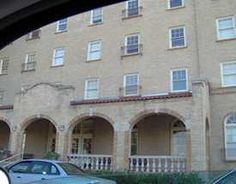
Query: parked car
[[228, 178], [31, 170]]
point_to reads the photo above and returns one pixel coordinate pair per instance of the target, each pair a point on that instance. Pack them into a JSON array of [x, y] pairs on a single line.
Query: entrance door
[[179, 143], [82, 144]]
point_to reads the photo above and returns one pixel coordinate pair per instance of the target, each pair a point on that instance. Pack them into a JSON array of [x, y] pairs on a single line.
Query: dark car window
[[22, 167], [43, 168], [229, 179], [71, 169]]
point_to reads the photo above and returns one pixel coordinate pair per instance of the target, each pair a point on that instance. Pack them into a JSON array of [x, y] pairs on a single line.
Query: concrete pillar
[[121, 150], [199, 161], [16, 142], [61, 142]]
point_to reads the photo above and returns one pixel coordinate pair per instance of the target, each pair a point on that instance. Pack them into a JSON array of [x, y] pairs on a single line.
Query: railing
[[91, 162], [157, 164], [132, 12], [28, 66], [11, 159], [131, 50]]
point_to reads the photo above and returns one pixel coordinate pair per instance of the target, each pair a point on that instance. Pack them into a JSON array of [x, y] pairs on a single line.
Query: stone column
[[121, 150], [198, 150], [61, 142], [16, 141]]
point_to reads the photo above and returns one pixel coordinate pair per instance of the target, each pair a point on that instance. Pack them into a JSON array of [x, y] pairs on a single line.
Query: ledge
[[225, 39], [59, 32], [223, 90], [131, 99], [131, 17], [6, 107]]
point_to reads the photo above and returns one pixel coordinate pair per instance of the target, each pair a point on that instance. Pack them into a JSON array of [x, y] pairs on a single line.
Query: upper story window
[[132, 9], [177, 37], [1, 96], [94, 50], [226, 28], [228, 72], [131, 85], [230, 137], [58, 56], [62, 25], [179, 80], [91, 89], [4, 66], [30, 62], [175, 3], [132, 44], [33, 35], [96, 16]]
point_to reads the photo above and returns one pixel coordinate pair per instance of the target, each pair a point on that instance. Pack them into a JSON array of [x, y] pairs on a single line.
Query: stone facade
[[56, 94]]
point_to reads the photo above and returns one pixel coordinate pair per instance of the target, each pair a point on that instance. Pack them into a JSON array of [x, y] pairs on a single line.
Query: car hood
[[82, 179]]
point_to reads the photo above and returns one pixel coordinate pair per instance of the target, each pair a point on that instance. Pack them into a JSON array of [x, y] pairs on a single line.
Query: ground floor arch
[[39, 138], [158, 142], [4, 136]]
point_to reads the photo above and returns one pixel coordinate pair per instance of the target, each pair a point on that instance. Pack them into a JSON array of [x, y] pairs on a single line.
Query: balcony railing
[[28, 66], [157, 164], [131, 50], [132, 12], [91, 162]]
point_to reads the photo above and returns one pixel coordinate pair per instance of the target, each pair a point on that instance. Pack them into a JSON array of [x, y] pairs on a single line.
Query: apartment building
[[143, 85]]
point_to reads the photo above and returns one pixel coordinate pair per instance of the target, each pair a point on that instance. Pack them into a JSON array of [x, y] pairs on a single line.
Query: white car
[[32, 170]]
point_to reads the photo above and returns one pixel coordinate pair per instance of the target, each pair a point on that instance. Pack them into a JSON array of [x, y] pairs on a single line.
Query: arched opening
[[92, 143], [158, 142], [4, 139], [39, 139]]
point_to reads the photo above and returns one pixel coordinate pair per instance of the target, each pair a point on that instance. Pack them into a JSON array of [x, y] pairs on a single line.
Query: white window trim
[[225, 138], [58, 23], [86, 86], [91, 17], [171, 80], [222, 74], [89, 47], [217, 27], [170, 37], [171, 8], [1, 99], [126, 43], [54, 55], [1, 66], [127, 4], [124, 84]]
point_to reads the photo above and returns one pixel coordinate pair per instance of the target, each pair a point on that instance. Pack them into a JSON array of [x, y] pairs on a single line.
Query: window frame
[[218, 27], [138, 45], [170, 37], [86, 89], [1, 96], [124, 84], [2, 62], [222, 73], [54, 57], [92, 17], [176, 7], [172, 82], [225, 136], [128, 9], [89, 58], [59, 23]]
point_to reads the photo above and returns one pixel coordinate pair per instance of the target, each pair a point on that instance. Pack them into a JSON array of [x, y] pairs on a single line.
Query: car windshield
[[71, 169]]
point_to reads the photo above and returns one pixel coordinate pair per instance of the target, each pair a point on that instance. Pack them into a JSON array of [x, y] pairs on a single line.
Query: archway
[[39, 138], [92, 143], [4, 136], [158, 143]]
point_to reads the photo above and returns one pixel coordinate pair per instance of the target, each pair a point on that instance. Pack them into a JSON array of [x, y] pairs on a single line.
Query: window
[[132, 7], [179, 80], [43, 168], [177, 37], [62, 25], [91, 89], [33, 35], [228, 72], [58, 56], [96, 16], [230, 137], [226, 28], [23, 167], [30, 62], [131, 85], [94, 50], [1, 97], [175, 3], [132, 44], [3, 66]]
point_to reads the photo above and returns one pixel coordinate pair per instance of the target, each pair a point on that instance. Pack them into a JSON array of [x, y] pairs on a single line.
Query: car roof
[[43, 160]]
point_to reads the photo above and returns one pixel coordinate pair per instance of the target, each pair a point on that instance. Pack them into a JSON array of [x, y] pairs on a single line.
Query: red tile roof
[[133, 98]]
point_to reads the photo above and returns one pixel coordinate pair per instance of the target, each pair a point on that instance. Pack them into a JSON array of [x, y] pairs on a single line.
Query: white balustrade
[[157, 164], [91, 162]]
